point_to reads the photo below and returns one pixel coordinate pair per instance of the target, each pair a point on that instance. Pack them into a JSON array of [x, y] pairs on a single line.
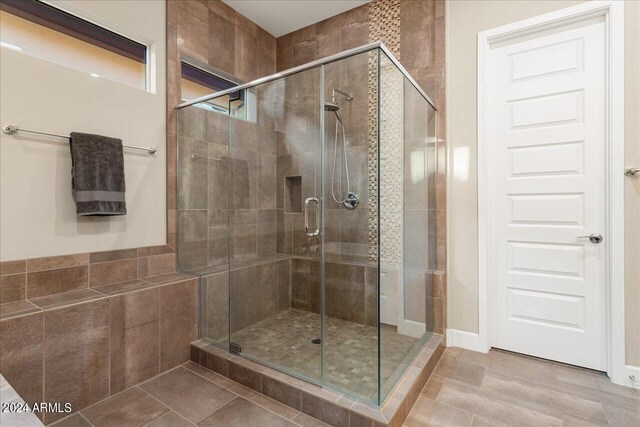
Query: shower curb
[[329, 406]]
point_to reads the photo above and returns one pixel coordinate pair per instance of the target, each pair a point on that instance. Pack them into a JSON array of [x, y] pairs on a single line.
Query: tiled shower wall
[[215, 34], [79, 328], [418, 42], [351, 290]]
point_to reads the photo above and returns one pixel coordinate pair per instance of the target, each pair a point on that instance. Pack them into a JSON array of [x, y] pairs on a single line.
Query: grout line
[[103, 400], [238, 395], [202, 376], [85, 418], [55, 268], [160, 333], [296, 416], [100, 298], [171, 411], [43, 363], [14, 274], [113, 260], [156, 376], [109, 348], [23, 313], [160, 402], [222, 406]]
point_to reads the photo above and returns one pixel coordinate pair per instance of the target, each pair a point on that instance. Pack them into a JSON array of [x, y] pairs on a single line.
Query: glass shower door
[[274, 185], [351, 226]]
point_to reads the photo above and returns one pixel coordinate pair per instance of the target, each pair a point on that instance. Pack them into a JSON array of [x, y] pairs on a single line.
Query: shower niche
[[293, 194], [312, 221]]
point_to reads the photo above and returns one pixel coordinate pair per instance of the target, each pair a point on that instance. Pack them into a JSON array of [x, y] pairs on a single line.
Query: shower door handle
[[306, 216]]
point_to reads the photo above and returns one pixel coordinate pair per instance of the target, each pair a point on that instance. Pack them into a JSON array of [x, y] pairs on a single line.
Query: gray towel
[[97, 174]]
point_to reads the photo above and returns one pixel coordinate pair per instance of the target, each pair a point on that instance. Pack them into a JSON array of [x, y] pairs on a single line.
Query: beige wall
[[37, 214], [465, 18]]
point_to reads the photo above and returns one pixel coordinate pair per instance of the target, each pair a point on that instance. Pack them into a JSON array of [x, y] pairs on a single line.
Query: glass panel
[[350, 235], [203, 214], [274, 281], [407, 222], [350, 307]]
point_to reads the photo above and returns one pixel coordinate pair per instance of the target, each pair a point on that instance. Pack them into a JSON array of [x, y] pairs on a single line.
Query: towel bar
[[13, 129], [196, 157]]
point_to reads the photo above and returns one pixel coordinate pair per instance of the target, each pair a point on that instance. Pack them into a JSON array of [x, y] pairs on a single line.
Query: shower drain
[[316, 341]]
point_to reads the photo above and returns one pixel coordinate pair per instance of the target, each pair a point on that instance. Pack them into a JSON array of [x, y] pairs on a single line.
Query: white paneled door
[[547, 178]]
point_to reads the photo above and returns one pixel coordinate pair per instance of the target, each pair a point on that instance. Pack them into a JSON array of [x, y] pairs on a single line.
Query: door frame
[[613, 13]]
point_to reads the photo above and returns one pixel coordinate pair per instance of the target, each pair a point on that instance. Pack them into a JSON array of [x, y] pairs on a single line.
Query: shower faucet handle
[[306, 216]]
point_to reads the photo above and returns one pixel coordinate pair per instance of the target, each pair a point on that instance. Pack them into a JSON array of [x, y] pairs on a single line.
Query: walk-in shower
[[291, 277]]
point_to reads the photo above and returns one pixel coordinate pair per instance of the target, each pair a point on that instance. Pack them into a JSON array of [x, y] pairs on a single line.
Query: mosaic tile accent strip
[[391, 156], [384, 25], [350, 349], [372, 156]]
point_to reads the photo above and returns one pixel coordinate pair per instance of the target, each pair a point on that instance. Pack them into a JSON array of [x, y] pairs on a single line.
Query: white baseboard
[[464, 339], [631, 371]]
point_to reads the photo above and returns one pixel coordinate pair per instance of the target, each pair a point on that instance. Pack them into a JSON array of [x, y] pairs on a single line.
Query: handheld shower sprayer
[[351, 199]]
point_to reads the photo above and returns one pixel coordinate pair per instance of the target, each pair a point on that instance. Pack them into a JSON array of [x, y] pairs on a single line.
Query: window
[[198, 80], [37, 29]]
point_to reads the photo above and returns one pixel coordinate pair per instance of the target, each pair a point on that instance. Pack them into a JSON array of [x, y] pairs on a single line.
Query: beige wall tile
[[214, 307], [194, 7], [12, 267], [156, 265], [246, 47], [328, 36], [21, 355], [113, 272], [12, 288], [178, 322], [56, 262], [155, 250], [266, 59], [354, 34], [193, 39], [50, 302], [134, 338], [17, 308], [49, 282], [112, 255], [222, 43], [284, 51], [76, 355], [221, 9], [245, 24]]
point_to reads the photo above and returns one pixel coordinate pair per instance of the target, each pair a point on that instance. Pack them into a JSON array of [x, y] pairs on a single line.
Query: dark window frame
[[208, 79], [74, 26]]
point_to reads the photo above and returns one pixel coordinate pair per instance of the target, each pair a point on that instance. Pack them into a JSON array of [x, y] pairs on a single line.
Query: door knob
[[593, 237], [627, 171]]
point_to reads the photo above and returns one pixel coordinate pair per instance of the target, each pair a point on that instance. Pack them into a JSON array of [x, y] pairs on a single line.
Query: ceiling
[[280, 17]]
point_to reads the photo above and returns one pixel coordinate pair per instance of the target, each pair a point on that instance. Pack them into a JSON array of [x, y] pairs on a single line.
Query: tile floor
[[466, 389], [350, 351], [9, 396], [188, 395], [507, 389]]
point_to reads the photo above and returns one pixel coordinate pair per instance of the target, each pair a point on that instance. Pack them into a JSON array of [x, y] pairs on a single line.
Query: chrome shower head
[[331, 106]]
